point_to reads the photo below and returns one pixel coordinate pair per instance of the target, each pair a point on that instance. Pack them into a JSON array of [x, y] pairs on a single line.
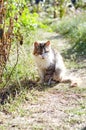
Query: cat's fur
[[50, 64]]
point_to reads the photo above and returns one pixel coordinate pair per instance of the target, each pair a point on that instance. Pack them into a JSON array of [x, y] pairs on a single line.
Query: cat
[[50, 64]]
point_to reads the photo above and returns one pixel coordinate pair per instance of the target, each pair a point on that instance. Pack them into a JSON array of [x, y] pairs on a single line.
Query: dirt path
[[53, 108]]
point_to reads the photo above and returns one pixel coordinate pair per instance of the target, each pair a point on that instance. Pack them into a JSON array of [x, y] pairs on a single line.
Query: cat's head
[[41, 49]]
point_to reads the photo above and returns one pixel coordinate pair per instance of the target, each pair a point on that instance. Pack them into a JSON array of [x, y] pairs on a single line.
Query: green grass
[[24, 67], [73, 28]]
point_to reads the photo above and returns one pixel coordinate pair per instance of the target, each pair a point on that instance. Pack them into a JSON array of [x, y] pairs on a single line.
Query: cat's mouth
[[42, 57]]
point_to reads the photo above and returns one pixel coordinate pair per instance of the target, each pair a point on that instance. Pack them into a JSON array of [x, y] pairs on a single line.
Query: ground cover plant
[[74, 28]]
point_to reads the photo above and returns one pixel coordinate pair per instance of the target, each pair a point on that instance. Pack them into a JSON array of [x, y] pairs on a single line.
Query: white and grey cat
[[50, 64]]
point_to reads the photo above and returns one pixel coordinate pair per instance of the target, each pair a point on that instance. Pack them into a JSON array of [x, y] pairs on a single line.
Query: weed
[[74, 29]]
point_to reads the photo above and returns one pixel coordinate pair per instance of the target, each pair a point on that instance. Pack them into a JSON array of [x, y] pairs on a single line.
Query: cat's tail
[[74, 81], [62, 78]]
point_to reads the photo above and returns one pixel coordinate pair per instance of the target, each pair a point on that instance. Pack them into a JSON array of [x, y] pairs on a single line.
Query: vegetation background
[[62, 23]]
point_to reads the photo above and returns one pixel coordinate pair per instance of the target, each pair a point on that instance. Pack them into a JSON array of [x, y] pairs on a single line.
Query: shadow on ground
[[16, 88]]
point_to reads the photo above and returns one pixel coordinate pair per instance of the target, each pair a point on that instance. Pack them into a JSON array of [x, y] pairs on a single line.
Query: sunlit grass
[[73, 28]]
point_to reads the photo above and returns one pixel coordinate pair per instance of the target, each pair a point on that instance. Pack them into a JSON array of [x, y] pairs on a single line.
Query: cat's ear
[[47, 43], [35, 44]]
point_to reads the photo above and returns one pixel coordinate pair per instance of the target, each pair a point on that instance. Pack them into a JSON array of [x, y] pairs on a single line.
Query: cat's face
[[41, 49]]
